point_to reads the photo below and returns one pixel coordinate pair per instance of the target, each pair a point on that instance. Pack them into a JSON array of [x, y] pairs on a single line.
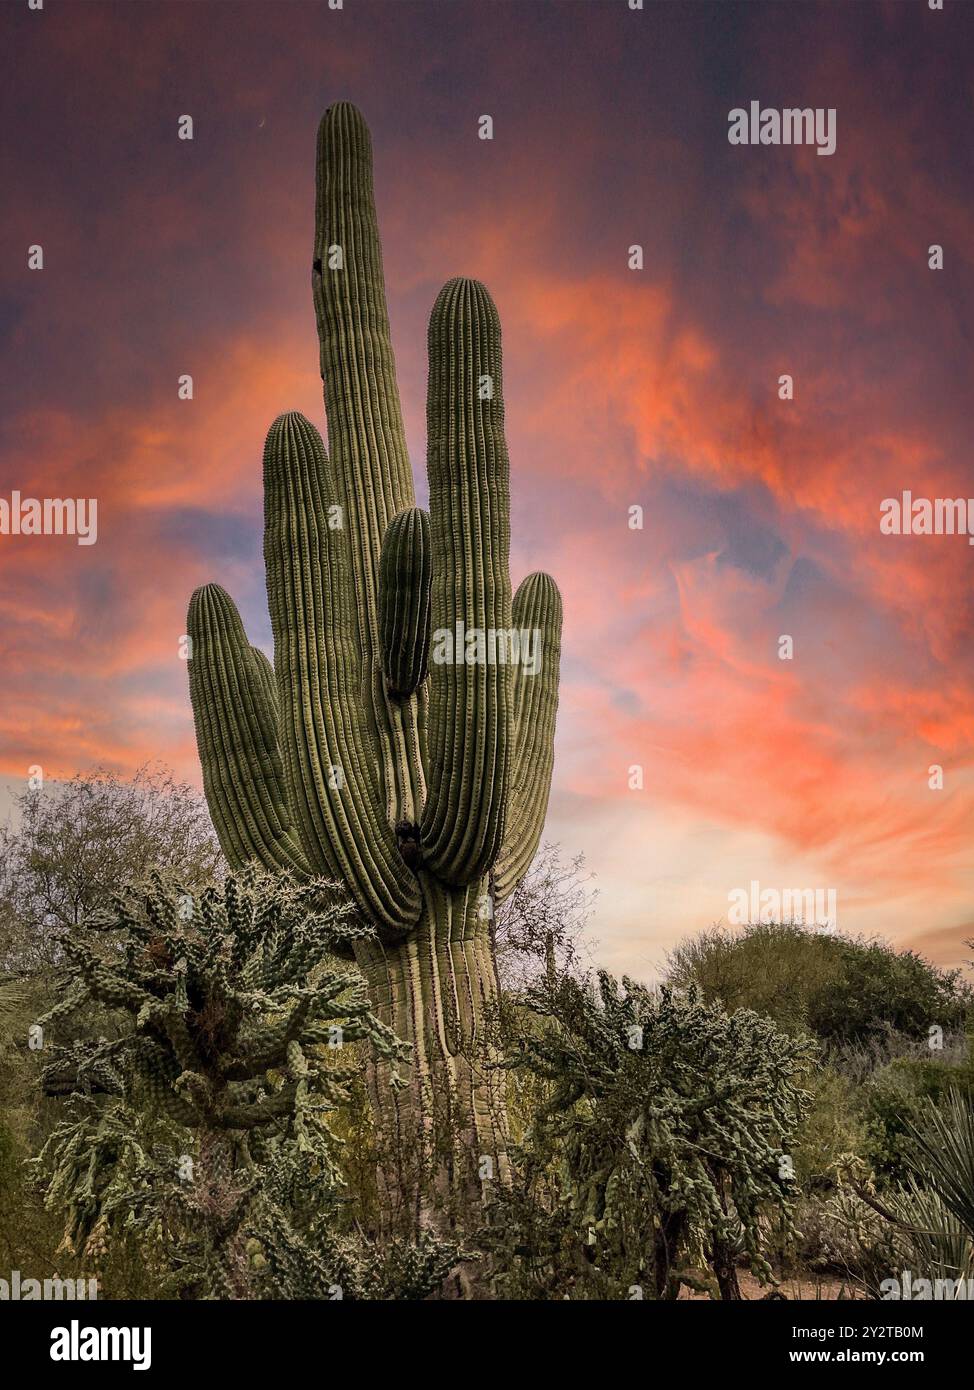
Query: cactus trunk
[[442, 1137], [374, 752]]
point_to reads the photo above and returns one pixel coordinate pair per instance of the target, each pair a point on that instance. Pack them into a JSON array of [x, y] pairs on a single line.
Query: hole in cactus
[[407, 836]]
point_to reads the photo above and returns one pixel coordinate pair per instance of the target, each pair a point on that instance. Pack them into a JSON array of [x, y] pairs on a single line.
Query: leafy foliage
[[897, 1099], [840, 988], [72, 843]]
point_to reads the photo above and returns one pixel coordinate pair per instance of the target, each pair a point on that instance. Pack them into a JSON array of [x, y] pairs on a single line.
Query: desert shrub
[[656, 1150], [841, 1232], [62, 855], [772, 970], [877, 986], [842, 989], [844, 1233], [831, 1128], [921, 1226], [872, 1008], [72, 843], [896, 1099]]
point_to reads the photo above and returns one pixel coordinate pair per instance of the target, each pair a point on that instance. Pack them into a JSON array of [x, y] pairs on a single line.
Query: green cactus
[[420, 784], [203, 1124]]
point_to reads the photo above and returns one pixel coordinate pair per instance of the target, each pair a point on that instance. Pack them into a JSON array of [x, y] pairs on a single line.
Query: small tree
[[537, 929], [72, 843], [203, 1126]]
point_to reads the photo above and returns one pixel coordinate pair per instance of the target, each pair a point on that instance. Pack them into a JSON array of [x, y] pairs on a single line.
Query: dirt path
[[813, 1287]]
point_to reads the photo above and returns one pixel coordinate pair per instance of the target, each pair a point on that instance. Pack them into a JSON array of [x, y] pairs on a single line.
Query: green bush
[[877, 987], [843, 989], [896, 1099], [831, 1129]]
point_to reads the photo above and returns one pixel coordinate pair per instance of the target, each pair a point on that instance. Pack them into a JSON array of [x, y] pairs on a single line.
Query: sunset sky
[[656, 388]]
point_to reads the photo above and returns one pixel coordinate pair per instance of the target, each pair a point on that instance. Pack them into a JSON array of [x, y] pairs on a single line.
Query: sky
[[655, 388]]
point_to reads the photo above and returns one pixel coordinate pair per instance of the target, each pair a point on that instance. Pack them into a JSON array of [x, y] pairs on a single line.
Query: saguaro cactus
[[419, 782]]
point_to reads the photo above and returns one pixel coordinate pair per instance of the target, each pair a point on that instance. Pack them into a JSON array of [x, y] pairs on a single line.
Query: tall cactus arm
[[470, 694], [268, 683], [536, 610], [237, 738], [339, 809], [366, 439], [405, 570]]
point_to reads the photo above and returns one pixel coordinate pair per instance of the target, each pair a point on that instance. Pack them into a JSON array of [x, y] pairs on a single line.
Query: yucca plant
[[931, 1215], [943, 1156], [936, 1243]]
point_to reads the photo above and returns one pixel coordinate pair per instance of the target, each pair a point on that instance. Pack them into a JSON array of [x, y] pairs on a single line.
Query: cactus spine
[[420, 785]]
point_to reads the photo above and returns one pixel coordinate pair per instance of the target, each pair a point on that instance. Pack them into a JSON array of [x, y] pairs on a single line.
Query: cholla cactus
[[661, 1147], [397, 744], [226, 994], [219, 1090]]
